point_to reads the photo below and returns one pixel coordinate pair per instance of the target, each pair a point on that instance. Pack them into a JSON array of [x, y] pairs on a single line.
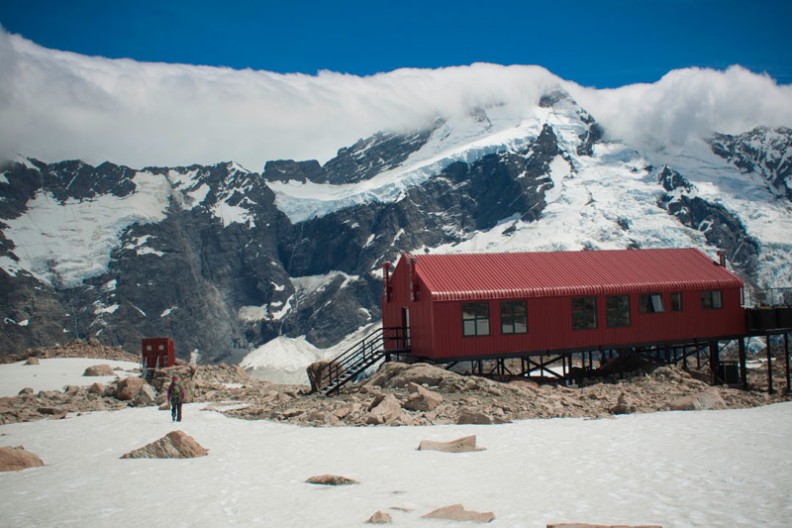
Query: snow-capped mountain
[[225, 259]]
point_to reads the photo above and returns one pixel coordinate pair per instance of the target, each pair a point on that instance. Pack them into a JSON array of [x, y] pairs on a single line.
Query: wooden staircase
[[356, 359]]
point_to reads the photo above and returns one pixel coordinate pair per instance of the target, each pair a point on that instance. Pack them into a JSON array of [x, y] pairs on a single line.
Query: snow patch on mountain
[[63, 243]]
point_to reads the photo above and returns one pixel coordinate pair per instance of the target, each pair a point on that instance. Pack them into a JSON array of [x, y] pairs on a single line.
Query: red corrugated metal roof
[[521, 275]]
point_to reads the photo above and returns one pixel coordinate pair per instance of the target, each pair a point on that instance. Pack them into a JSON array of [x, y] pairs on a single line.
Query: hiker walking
[[176, 397]]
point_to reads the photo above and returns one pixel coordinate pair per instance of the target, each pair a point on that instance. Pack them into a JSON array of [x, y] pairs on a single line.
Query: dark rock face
[[761, 151], [720, 227], [224, 270], [363, 160]]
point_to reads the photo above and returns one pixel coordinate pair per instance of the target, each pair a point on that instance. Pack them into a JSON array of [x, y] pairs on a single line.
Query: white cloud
[[688, 104], [56, 105]]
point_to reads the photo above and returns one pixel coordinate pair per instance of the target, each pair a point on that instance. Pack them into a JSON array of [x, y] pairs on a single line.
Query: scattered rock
[[395, 375], [331, 480], [176, 444], [473, 417], [17, 459], [129, 388], [421, 399], [457, 512], [32, 361], [99, 370], [379, 517], [146, 396], [386, 410], [709, 399], [623, 405], [460, 445], [26, 390], [98, 389]]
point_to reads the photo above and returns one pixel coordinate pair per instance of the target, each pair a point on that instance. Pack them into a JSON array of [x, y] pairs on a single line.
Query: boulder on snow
[[99, 370], [17, 459], [32, 361], [146, 396], [460, 445], [379, 517], [176, 444], [583, 525], [709, 399], [331, 480], [129, 388], [421, 398], [457, 512]]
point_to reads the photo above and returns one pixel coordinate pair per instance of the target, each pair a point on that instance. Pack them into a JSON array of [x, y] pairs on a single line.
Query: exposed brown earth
[[397, 394]]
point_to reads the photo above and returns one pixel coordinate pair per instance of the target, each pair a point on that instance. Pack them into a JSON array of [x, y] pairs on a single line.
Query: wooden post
[[743, 364], [769, 367], [786, 355], [698, 354], [714, 362], [564, 369]]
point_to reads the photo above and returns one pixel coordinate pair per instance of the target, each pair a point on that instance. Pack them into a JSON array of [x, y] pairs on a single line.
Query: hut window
[[651, 303], [514, 317], [584, 313], [711, 300], [475, 319], [676, 301], [617, 308]]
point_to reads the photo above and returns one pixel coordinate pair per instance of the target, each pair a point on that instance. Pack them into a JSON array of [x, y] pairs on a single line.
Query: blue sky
[[601, 44]]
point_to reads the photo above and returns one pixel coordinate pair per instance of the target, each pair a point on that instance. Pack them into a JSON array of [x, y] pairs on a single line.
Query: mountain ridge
[[225, 259]]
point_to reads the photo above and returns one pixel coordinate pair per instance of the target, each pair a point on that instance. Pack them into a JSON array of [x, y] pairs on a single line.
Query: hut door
[[406, 327]]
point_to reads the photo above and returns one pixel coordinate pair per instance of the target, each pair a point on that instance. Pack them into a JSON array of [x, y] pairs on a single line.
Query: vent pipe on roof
[[722, 258], [387, 287], [413, 279]]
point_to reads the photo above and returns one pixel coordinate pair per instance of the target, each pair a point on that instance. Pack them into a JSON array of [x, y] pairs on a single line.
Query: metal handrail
[[360, 356], [758, 297]]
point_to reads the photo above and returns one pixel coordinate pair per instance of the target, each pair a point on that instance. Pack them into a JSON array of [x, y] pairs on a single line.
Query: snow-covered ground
[[56, 373], [676, 469]]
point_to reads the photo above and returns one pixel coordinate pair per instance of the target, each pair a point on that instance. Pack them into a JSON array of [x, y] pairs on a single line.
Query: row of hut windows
[[514, 314]]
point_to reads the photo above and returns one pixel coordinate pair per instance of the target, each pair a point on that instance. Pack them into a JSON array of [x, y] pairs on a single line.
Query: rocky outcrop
[[645, 387], [762, 151], [17, 459], [176, 444], [721, 227]]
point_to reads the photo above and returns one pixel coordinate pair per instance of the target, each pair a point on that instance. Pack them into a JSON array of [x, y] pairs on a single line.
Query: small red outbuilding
[[157, 352], [467, 306]]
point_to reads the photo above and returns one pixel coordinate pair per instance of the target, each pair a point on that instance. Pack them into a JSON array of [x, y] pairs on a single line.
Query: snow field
[[676, 469], [56, 373]]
